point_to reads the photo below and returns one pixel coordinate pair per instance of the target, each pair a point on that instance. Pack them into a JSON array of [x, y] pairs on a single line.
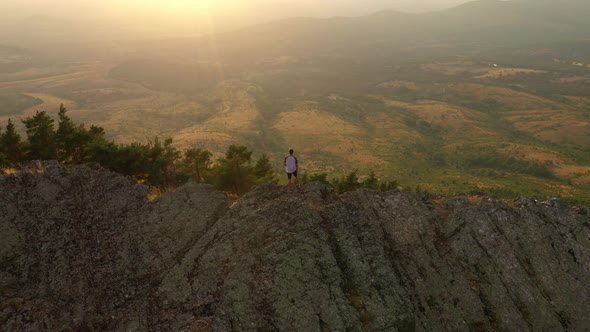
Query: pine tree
[[67, 137], [322, 178], [347, 183], [234, 172], [3, 158], [161, 160], [11, 145], [387, 186], [238, 155], [197, 163], [73, 141], [371, 182], [41, 137], [263, 170]]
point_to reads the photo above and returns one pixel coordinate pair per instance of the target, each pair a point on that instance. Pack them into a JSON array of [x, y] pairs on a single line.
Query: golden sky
[[185, 8], [177, 18], [179, 7]]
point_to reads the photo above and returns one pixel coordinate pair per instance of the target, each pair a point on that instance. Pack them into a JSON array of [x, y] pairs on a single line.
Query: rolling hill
[[491, 94], [482, 22]]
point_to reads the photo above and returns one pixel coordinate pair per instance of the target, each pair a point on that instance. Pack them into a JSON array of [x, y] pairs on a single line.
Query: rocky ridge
[[84, 249]]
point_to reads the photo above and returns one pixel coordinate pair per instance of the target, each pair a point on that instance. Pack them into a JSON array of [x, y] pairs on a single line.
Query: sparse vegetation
[[15, 103], [157, 163], [428, 115], [352, 182], [496, 161]]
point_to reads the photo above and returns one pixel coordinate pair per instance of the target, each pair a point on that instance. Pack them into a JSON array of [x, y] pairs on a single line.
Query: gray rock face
[[83, 248]]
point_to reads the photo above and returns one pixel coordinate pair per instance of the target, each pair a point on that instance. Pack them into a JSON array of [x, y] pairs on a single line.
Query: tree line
[[352, 181], [157, 163]]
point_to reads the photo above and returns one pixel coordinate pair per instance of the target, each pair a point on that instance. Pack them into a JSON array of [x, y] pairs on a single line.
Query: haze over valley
[[446, 96]]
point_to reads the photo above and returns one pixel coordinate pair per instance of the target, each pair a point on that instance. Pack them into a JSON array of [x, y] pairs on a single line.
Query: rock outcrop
[[84, 249]]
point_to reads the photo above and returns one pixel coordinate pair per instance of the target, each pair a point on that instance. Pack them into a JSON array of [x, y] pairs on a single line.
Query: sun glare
[[184, 7]]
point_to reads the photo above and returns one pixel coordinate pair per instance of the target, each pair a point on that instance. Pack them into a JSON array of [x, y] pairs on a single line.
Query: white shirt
[[291, 164]]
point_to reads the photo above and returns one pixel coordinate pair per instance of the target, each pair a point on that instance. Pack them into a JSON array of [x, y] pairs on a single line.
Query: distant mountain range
[[484, 21]]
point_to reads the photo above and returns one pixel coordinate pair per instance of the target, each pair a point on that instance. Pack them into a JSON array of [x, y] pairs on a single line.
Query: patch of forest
[[156, 163]]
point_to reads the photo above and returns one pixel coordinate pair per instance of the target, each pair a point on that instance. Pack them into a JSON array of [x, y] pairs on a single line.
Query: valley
[[443, 115]]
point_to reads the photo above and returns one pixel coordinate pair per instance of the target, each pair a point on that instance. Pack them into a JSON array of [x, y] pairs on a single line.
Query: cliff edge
[[84, 249]]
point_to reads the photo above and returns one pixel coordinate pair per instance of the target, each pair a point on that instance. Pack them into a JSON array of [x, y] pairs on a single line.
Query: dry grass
[[188, 122], [578, 101], [518, 100], [154, 193], [319, 131], [194, 136], [8, 83], [569, 170], [529, 152], [335, 97], [314, 122], [553, 125], [238, 116], [325, 142], [559, 190], [546, 119], [391, 128], [562, 167], [573, 131], [237, 112], [454, 68], [500, 72], [513, 204], [438, 113], [582, 180], [50, 104], [459, 123], [398, 84], [476, 200], [9, 171], [573, 79], [40, 83]]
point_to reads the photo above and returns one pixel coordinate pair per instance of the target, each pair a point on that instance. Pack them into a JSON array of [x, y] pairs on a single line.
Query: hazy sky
[[256, 9], [178, 18]]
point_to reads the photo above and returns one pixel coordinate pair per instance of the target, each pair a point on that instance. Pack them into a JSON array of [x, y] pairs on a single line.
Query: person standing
[[291, 167]]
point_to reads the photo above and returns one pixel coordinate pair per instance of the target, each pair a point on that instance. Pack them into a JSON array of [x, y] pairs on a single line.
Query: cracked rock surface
[[83, 248]]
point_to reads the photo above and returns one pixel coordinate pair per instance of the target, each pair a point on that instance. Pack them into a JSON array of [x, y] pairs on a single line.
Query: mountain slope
[[84, 249], [489, 20], [483, 21]]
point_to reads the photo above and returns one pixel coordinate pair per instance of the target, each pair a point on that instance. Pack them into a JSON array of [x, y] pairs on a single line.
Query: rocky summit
[[83, 249]]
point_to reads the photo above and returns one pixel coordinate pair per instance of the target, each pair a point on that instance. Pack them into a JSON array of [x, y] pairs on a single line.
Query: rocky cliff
[[84, 249]]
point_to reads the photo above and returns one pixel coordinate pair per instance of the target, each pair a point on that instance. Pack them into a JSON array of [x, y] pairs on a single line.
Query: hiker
[[291, 167]]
